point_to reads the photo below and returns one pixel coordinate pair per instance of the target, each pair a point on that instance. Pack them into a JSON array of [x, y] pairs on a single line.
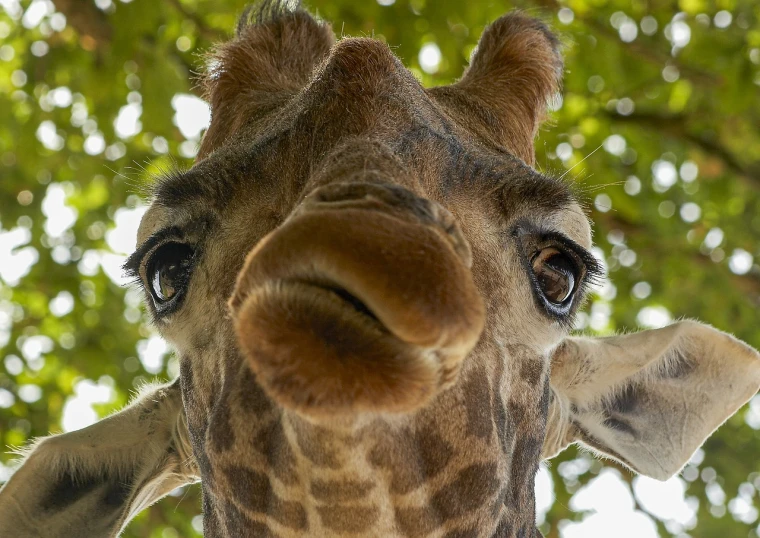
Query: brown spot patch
[[316, 444], [412, 457], [339, 491], [220, 434], [543, 403], [504, 426], [272, 443], [531, 370], [254, 492], [193, 407], [517, 412], [477, 401], [503, 529], [212, 525], [500, 499], [417, 521], [348, 519], [238, 523], [471, 489], [250, 394], [525, 459]]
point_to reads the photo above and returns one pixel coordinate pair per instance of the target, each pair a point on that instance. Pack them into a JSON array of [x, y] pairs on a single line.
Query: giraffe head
[[347, 234], [370, 290]]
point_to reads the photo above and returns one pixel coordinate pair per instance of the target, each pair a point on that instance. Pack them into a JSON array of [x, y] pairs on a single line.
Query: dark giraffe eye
[[556, 274], [559, 270], [168, 272]]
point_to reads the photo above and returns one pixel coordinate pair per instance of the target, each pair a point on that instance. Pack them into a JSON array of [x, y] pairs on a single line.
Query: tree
[[657, 126]]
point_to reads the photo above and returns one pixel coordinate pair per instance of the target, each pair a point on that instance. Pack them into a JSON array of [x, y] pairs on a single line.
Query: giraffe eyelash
[[593, 269], [531, 240], [131, 266]]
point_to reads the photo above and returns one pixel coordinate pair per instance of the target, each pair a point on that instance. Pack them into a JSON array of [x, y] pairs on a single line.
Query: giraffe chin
[[323, 354]]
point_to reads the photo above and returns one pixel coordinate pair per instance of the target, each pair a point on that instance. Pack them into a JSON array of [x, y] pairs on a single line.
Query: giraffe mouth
[[352, 301], [334, 290], [338, 307], [332, 316]]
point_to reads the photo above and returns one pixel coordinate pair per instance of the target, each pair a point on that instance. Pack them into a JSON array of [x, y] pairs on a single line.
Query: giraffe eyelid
[[190, 233], [132, 266], [530, 240], [162, 308], [138, 264]]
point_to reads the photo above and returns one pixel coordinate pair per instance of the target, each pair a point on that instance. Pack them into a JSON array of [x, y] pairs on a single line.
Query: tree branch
[[649, 54], [676, 126], [86, 19], [748, 284], [204, 30], [656, 56]]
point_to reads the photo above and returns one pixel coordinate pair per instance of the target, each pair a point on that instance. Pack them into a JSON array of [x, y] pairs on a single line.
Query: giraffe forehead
[[447, 169], [362, 114]]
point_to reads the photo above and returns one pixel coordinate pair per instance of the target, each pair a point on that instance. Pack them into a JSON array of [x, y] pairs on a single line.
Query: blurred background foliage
[[658, 124]]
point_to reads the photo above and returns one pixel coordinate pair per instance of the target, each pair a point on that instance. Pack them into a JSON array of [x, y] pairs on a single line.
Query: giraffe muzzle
[[358, 303]]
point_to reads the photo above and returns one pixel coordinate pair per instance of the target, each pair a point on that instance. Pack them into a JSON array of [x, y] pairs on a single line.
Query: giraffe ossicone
[[370, 291]]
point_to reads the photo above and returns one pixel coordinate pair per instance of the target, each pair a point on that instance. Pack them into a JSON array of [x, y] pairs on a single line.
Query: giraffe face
[[350, 233], [352, 248]]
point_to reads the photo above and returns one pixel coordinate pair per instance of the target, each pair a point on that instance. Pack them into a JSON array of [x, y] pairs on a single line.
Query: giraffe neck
[[464, 464]]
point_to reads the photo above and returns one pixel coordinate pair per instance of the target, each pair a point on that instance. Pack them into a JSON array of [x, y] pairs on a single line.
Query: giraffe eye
[[168, 273], [556, 274]]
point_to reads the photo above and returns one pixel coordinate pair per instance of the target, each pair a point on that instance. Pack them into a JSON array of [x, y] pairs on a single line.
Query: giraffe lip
[[351, 301], [333, 290], [318, 349]]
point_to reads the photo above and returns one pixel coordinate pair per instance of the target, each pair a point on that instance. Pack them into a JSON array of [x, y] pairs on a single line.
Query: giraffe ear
[[272, 57], [503, 95], [651, 398], [92, 481]]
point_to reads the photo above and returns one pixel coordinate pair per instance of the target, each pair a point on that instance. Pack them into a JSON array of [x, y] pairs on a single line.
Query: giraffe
[[370, 290]]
